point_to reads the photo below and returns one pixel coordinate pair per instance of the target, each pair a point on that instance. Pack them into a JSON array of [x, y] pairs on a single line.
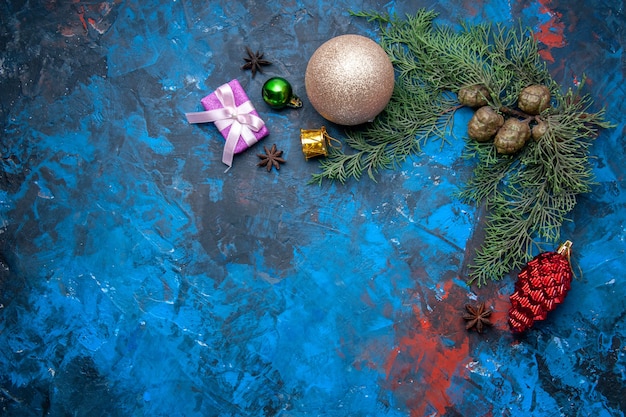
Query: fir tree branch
[[528, 195]]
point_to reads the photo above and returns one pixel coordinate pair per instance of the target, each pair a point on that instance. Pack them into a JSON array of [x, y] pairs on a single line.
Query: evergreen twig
[[528, 195]]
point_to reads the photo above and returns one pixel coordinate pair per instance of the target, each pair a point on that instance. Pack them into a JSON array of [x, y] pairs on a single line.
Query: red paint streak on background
[[500, 315], [472, 7], [551, 33], [421, 360], [429, 355], [424, 365]]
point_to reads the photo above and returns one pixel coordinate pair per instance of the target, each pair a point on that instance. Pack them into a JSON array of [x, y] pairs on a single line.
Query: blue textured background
[[137, 279]]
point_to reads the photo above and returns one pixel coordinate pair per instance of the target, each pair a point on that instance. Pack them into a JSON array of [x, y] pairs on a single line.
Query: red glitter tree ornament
[[541, 286]]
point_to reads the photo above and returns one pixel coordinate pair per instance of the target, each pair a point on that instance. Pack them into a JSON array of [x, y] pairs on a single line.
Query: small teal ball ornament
[[278, 94]]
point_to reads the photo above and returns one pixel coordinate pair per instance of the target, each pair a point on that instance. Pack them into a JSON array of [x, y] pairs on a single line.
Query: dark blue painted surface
[[139, 279]]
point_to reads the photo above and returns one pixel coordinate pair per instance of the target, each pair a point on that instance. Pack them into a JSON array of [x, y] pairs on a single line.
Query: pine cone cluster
[[504, 126]]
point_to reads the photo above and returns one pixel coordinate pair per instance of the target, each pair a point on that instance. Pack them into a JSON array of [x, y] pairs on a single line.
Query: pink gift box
[[230, 108]]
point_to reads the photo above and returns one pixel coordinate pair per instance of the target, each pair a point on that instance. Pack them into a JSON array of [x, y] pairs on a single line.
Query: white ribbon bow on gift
[[241, 122]]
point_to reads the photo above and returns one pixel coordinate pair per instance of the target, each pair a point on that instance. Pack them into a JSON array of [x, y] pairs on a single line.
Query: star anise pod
[[272, 158], [477, 316], [254, 61]]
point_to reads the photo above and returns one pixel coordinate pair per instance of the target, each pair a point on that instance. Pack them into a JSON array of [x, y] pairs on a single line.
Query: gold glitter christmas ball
[[349, 80]]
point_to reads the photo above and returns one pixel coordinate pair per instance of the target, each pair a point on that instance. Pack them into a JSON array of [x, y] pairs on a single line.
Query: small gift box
[[233, 114]]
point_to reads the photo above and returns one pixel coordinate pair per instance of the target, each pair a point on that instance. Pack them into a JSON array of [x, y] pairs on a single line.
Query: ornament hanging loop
[[294, 102], [565, 249]]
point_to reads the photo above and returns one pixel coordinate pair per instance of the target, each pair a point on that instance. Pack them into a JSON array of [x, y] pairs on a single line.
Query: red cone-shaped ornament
[[541, 286]]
